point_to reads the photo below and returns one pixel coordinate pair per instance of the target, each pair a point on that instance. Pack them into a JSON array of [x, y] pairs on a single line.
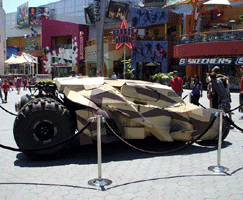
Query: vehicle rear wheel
[[225, 133], [41, 123]]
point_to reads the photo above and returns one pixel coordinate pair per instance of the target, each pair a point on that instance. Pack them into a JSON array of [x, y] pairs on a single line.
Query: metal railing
[[214, 36]]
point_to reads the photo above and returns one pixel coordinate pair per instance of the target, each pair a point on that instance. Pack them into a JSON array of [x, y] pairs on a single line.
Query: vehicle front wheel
[[41, 123]]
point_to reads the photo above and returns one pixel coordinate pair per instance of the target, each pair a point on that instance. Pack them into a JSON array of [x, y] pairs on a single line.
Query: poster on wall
[[146, 17], [23, 15], [37, 14], [32, 15], [118, 10]]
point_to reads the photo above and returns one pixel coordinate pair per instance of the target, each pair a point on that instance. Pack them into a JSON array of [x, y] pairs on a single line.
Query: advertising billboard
[[118, 10], [90, 12], [22, 15], [37, 14]]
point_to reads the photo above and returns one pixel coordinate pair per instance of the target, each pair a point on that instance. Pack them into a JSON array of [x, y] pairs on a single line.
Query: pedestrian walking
[[241, 92], [15, 80], [197, 90], [10, 82], [18, 85], [177, 83], [209, 94], [1, 96], [30, 82], [5, 87], [223, 97], [25, 83]]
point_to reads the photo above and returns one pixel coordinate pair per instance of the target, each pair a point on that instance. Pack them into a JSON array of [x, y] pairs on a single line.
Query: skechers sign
[[211, 61]]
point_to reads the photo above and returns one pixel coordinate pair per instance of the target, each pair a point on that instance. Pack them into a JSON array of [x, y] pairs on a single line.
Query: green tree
[[128, 70]]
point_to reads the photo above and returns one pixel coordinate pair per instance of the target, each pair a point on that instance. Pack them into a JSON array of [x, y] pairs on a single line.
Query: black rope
[[184, 97], [232, 123], [235, 108], [8, 111], [198, 102], [50, 147], [164, 152]]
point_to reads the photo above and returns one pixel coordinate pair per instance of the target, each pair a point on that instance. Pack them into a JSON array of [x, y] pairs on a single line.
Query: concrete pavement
[[134, 175]]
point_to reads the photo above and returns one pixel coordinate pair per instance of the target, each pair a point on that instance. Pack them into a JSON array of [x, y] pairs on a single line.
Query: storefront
[[63, 46], [229, 66]]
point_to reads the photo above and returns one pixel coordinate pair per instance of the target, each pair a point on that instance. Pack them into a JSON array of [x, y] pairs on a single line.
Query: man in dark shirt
[[225, 82], [241, 91], [223, 97]]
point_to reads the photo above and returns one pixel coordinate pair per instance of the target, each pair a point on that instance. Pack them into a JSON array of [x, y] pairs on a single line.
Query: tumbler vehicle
[[134, 109]]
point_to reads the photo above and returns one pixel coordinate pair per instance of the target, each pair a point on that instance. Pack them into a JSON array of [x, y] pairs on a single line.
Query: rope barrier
[[232, 123], [184, 97], [198, 102], [142, 150], [235, 108], [50, 147], [8, 111], [164, 152]]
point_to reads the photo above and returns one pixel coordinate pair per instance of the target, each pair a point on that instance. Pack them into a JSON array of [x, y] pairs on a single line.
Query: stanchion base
[[99, 182], [218, 169]]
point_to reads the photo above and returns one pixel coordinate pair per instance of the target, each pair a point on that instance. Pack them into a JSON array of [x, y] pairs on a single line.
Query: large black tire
[[225, 130], [43, 122], [225, 133]]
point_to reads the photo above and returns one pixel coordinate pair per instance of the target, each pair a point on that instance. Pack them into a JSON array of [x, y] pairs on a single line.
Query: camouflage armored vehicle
[[134, 110]]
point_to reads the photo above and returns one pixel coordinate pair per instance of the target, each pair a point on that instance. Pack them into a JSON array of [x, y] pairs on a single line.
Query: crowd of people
[[218, 89], [10, 84]]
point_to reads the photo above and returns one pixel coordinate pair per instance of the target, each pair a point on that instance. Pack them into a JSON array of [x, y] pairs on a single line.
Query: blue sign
[[143, 17], [151, 51]]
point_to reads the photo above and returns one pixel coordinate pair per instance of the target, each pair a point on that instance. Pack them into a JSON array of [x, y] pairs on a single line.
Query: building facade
[[63, 46], [218, 43]]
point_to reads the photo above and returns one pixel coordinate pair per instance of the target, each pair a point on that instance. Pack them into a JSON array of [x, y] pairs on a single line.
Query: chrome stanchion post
[[219, 168], [99, 181], [99, 145]]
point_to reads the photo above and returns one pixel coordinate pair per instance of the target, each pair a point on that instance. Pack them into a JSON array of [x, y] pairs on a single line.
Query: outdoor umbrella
[[10, 60]]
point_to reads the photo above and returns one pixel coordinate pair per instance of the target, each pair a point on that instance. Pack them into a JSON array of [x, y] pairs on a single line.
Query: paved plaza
[[134, 175]]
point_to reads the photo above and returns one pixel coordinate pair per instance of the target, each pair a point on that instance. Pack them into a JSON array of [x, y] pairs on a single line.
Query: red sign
[[124, 35], [81, 43]]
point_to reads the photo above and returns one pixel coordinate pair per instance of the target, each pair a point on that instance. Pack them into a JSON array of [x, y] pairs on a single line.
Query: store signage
[[211, 61], [81, 43], [154, 2], [124, 35]]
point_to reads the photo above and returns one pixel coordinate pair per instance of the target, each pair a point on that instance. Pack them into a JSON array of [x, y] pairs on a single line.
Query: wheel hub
[[44, 131]]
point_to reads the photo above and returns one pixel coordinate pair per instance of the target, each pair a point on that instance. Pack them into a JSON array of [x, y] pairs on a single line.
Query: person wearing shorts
[[223, 96]]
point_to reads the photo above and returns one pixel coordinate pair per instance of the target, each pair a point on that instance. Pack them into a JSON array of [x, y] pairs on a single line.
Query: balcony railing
[[215, 36]]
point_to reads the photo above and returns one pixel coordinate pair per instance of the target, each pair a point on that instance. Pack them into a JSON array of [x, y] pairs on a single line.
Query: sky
[[11, 5]]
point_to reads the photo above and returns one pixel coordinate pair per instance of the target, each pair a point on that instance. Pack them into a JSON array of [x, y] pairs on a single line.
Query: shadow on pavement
[[116, 151]]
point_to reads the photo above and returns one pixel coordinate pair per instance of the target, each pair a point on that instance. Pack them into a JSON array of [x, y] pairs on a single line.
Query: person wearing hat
[[177, 83]]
